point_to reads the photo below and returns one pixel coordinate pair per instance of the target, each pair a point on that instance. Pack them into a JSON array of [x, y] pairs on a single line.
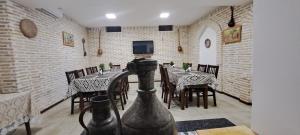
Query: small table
[[183, 80], [15, 109], [91, 83]]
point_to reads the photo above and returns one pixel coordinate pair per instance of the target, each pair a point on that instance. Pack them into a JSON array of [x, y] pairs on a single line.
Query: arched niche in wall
[[208, 47]]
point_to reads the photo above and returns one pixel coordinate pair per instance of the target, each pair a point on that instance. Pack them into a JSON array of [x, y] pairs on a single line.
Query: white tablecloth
[[182, 79], [15, 109], [91, 83]]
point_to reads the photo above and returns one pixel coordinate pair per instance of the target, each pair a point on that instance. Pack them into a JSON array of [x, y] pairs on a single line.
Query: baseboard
[[244, 102], [51, 106]]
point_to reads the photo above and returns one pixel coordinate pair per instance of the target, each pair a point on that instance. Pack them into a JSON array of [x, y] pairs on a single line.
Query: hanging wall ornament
[[84, 51], [231, 23], [28, 28], [179, 48], [99, 52]]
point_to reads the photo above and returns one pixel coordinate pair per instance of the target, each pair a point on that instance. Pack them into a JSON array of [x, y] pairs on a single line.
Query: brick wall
[[39, 64], [117, 46], [235, 60], [7, 74]]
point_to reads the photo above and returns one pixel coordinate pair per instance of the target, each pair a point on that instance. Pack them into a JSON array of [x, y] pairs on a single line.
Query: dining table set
[[96, 82], [185, 81]]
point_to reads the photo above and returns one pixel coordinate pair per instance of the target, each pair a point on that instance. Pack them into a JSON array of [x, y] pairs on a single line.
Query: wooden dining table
[[185, 80], [92, 83]]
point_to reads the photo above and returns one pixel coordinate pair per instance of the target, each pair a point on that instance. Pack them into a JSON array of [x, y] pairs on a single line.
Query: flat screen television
[[143, 47]]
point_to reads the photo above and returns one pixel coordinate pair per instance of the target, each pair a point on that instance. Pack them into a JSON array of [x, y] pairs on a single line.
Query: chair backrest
[[161, 69], [166, 64], [116, 67], [166, 78], [212, 69], [80, 73], [71, 75], [95, 69], [89, 71], [202, 68]]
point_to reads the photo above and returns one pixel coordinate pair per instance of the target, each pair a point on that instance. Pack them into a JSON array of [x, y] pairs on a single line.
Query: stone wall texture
[[235, 60], [8, 81], [117, 46], [39, 64]]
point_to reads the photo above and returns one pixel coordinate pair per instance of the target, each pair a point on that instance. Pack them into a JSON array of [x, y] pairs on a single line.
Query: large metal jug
[[103, 120], [146, 116]]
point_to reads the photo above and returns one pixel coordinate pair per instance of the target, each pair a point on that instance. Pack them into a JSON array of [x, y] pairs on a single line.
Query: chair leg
[[81, 103], [205, 96], [122, 104], [162, 92], [170, 98], [126, 94], [182, 99], [187, 97], [215, 99], [124, 98], [190, 95], [166, 95], [27, 126], [72, 104], [198, 99]]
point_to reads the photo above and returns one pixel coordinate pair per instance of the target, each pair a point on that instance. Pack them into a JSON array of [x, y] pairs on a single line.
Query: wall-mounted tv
[[143, 47]]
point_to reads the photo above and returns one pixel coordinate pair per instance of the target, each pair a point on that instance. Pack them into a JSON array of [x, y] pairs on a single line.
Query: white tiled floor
[[59, 121]]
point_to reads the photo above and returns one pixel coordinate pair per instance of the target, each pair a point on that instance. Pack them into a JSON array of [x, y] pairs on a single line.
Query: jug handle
[[111, 87], [81, 119]]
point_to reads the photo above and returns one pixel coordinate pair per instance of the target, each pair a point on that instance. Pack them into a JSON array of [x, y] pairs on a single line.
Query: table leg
[[27, 126], [182, 99], [81, 103], [205, 97], [191, 95], [198, 99], [186, 98]]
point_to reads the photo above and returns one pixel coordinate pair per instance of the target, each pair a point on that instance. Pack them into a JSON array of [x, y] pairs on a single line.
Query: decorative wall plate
[[207, 43], [28, 28]]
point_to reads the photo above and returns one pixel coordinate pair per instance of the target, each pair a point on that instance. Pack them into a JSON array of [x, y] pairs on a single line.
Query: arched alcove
[[208, 55]]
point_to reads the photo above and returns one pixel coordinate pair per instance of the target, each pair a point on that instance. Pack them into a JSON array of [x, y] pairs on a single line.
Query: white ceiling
[[91, 13]]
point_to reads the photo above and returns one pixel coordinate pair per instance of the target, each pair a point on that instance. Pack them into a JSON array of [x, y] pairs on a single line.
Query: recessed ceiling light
[[111, 16], [164, 15]]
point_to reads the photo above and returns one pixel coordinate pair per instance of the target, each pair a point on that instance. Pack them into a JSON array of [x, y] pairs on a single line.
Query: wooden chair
[[212, 69], [80, 73], [162, 84], [126, 86], [202, 68], [83, 96], [89, 71], [166, 64], [115, 68], [120, 91], [94, 69], [201, 89], [70, 77], [169, 88]]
